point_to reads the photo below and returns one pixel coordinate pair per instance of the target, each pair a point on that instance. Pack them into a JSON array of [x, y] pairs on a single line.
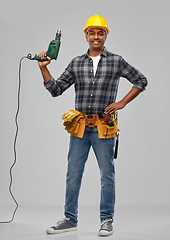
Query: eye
[[91, 33], [100, 34]]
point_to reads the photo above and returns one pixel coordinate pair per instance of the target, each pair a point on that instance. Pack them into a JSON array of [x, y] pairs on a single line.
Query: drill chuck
[[58, 33]]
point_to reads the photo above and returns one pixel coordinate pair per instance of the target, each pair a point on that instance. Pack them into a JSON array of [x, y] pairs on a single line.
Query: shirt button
[[91, 71], [93, 82], [91, 95], [89, 106], [90, 60]]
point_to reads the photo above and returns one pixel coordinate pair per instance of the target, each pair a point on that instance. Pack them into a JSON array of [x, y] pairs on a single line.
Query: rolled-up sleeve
[[57, 87], [133, 75]]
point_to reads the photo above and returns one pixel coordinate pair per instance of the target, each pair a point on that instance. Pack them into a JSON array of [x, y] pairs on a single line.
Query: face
[[96, 38]]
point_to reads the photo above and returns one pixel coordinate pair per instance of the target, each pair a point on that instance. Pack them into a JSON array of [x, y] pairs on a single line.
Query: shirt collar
[[104, 53]]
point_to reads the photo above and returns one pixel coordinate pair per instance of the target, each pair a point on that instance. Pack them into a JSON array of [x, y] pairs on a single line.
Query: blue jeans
[[77, 156]]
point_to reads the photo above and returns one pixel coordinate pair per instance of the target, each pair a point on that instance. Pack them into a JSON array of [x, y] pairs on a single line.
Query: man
[[96, 76]]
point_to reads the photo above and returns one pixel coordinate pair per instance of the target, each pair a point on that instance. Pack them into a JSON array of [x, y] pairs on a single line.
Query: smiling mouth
[[96, 42]]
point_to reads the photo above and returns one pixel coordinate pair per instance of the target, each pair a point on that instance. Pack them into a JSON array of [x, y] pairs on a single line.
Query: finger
[[43, 55], [40, 55], [113, 111], [108, 109]]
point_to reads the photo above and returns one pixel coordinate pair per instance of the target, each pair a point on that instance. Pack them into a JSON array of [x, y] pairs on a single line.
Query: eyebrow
[[94, 31]]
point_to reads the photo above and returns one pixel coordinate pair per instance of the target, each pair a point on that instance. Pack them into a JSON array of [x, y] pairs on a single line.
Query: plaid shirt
[[94, 94]]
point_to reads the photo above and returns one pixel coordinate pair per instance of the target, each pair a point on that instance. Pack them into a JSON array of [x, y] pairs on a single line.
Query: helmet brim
[[89, 27]]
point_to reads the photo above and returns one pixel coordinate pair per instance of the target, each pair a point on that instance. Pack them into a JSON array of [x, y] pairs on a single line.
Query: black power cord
[[15, 140]]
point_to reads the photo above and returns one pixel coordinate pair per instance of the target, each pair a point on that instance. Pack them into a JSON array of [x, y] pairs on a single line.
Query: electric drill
[[53, 49]]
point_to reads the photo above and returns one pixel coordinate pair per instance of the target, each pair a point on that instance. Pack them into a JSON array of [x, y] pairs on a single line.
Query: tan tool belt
[[76, 121], [91, 120]]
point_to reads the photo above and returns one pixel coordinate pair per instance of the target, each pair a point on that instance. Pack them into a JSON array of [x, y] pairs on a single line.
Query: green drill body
[[53, 48]]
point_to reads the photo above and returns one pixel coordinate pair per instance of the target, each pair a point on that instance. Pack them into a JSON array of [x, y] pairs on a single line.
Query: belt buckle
[[90, 116], [90, 121]]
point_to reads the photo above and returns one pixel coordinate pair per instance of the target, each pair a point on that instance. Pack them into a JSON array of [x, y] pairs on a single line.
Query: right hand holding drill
[[44, 63]]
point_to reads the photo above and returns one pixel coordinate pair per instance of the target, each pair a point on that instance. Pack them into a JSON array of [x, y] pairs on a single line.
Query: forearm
[[45, 73], [43, 66], [133, 93]]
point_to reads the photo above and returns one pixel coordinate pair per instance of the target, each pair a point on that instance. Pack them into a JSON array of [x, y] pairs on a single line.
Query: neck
[[95, 52]]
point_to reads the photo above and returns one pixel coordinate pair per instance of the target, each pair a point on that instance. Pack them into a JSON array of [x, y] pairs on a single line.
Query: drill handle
[[36, 57]]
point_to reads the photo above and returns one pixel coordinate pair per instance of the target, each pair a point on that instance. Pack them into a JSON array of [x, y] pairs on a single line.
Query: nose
[[96, 36]]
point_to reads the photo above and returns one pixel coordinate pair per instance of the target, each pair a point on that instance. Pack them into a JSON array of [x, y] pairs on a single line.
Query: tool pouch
[[105, 132], [74, 123], [79, 129]]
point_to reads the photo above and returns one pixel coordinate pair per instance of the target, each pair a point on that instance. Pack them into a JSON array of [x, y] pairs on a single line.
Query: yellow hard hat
[[98, 22]]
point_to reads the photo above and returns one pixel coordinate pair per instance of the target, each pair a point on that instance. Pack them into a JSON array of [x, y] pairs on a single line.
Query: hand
[[114, 107], [133, 93], [44, 63]]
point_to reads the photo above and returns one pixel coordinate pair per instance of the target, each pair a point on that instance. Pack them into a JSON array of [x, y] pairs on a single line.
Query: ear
[[105, 36], [86, 37]]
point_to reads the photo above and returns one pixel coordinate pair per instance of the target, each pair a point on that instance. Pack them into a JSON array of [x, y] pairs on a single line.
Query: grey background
[[140, 33]]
